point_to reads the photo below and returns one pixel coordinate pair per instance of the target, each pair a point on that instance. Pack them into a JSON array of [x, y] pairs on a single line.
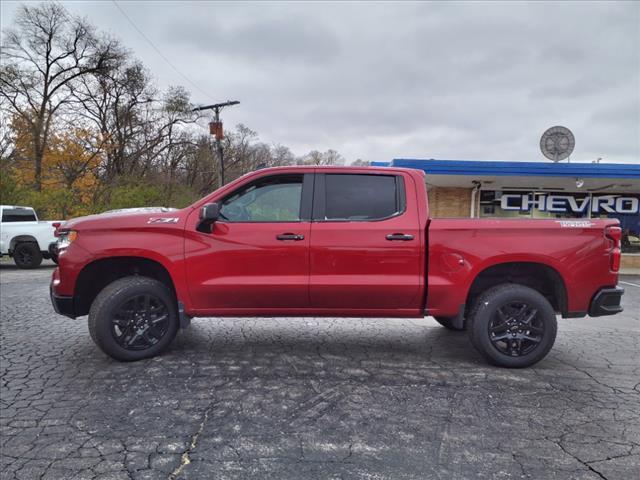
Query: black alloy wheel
[[516, 329], [25, 257], [140, 322]]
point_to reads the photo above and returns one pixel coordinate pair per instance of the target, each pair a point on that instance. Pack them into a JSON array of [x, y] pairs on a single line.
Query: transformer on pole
[[216, 129]]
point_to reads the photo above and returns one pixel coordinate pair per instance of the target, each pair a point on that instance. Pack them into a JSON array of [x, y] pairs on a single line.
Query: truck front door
[[257, 254]]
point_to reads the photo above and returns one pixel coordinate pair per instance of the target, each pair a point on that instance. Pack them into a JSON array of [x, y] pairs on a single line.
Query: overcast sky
[[379, 81]]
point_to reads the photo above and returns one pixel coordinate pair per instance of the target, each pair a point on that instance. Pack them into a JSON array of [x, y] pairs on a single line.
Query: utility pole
[[215, 128]]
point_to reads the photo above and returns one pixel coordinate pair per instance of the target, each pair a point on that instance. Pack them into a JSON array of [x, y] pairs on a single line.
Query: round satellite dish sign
[[557, 143]]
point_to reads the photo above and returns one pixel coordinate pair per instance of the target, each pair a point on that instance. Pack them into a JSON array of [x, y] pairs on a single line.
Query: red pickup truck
[[333, 241]]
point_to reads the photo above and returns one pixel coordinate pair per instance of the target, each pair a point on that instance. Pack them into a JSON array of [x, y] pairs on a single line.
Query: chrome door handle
[[290, 236], [401, 237]]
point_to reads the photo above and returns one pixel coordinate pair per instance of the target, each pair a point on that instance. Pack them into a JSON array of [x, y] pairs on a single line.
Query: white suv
[[24, 238]]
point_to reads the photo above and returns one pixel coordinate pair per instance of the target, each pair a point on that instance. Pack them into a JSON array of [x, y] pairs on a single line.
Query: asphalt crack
[[581, 461], [185, 459]]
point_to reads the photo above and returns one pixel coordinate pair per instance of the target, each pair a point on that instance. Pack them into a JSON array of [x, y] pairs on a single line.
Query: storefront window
[[491, 204], [625, 207]]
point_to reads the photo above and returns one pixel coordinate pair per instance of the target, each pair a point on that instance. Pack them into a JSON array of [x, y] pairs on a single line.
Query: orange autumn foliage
[[69, 168]]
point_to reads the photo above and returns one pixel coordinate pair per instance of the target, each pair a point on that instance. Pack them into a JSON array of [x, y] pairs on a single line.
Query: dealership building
[[475, 188]]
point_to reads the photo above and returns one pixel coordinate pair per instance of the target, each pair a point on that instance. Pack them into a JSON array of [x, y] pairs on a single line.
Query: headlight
[[66, 238]]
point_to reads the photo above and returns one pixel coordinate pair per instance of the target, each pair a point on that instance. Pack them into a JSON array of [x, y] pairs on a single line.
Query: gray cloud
[[473, 80], [270, 40]]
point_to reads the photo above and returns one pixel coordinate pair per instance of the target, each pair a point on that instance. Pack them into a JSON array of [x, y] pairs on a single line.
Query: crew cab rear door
[[366, 251], [257, 254]]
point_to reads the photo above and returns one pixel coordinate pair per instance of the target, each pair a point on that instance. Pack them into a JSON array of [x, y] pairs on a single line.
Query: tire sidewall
[[109, 306], [486, 308]]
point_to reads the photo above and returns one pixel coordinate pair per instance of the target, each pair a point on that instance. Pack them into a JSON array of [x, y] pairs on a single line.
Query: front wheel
[[133, 318], [512, 326]]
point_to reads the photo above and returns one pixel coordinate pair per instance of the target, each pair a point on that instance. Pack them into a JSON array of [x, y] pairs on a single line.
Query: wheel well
[[538, 276], [97, 275], [20, 239]]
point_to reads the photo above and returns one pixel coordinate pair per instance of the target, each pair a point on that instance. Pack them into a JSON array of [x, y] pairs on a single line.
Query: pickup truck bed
[[568, 260], [333, 241]]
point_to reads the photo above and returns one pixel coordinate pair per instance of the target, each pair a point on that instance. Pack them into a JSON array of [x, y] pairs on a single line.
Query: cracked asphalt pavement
[[312, 398]]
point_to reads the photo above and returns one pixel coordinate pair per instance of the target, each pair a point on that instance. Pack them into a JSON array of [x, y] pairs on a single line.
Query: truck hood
[[126, 218]]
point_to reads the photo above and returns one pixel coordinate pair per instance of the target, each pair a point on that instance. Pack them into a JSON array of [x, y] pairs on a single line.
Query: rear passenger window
[[18, 215], [362, 197]]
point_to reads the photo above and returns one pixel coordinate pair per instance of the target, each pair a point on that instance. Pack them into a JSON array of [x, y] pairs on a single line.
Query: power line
[[159, 52]]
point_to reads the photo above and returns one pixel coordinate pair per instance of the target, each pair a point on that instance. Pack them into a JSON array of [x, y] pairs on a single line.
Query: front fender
[[164, 246]]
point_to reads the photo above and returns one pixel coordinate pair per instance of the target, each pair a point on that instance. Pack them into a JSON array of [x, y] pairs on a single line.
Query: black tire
[[499, 330], [447, 323], [117, 316], [27, 255]]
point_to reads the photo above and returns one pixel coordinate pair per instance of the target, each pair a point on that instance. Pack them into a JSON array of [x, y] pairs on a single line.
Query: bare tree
[[281, 156], [6, 142], [42, 59], [331, 157], [314, 157], [240, 149], [139, 127], [360, 163], [116, 103]]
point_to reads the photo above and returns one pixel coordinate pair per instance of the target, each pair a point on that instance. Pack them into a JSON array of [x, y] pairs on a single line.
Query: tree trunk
[[38, 154]]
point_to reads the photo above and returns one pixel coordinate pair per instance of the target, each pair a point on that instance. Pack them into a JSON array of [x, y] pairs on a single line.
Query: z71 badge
[[163, 220]]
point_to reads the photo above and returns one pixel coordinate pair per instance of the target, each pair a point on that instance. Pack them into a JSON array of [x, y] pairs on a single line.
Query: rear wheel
[[512, 326], [27, 255], [447, 323], [133, 318]]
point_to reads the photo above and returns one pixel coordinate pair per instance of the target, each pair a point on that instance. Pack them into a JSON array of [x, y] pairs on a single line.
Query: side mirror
[[209, 213]]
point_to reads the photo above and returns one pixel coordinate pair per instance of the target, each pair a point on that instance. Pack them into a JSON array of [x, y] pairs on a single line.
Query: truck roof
[[345, 168], [334, 167]]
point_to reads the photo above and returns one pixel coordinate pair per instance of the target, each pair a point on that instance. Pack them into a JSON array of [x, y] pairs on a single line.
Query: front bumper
[[62, 305], [606, 302]]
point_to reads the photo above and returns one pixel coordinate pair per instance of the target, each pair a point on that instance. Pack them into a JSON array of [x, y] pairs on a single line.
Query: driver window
[[272, 199]]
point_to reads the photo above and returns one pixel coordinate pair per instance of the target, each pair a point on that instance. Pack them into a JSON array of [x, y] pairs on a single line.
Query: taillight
[[615, 235], [56, 226]]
